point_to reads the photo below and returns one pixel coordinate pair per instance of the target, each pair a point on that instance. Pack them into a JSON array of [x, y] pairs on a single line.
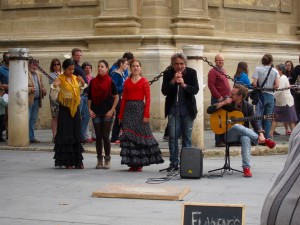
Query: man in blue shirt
[[4, 72], [84, 110], [128, 56]]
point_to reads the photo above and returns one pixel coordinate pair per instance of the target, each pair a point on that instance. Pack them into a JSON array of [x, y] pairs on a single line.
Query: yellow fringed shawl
[[69, 95]]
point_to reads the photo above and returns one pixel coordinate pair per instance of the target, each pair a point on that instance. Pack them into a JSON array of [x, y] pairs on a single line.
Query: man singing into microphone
[[180, 85]]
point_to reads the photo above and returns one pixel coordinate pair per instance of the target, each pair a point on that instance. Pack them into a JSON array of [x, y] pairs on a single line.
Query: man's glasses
[[56, 64]]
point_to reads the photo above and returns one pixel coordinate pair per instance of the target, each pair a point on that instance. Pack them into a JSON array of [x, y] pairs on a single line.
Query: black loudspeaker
[[191, 163]]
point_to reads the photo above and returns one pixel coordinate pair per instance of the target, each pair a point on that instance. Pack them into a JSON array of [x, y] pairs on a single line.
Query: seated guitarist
[[242, 133]]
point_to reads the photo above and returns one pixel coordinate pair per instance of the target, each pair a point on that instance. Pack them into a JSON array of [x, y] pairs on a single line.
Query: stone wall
[[153, 30]]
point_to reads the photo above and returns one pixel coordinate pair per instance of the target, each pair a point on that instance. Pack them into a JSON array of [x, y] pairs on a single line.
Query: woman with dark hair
[[267, 74], [102, 102], [284, 104], [68, 149], [138, 145], [289, 66], [119, 78], [55, 69], [241, 74]]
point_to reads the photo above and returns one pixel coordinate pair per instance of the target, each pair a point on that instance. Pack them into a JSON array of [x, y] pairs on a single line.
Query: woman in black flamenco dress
[[68, 149]]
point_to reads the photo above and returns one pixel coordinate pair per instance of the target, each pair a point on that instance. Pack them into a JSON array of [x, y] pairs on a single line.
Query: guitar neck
[[250, 118]]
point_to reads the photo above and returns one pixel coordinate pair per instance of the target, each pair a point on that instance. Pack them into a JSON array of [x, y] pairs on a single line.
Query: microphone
[[177, 97]]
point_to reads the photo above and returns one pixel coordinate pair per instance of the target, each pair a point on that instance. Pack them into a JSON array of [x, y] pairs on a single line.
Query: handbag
[[254, 95], [54, 93]]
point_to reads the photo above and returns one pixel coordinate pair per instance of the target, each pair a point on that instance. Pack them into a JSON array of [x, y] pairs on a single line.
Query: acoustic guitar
[[219, 119]]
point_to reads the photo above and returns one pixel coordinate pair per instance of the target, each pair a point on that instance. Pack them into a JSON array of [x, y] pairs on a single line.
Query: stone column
[[18, 125], [192, 51], [190, 17], [118, 17]]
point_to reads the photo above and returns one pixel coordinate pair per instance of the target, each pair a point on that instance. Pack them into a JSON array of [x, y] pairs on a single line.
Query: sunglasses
[[56, 64]]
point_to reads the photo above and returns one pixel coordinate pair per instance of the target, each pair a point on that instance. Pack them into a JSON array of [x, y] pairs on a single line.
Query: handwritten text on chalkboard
[[213, 214]]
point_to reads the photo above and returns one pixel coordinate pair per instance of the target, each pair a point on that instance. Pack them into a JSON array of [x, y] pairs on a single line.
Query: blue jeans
[[184, 125], [117, 127], [33, 115], [85, 116], [267, 108], [259, 111], [245, 136]]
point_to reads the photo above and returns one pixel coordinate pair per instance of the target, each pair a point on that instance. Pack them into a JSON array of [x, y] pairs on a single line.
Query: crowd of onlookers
[[283, 103], [99, 115], [277, 100], [113, 100]]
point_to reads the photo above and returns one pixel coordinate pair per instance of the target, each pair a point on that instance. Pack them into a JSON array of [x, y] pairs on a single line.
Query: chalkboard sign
[[213, 214]]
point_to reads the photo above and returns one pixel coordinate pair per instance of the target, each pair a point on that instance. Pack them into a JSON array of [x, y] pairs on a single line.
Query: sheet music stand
[[226, 167]]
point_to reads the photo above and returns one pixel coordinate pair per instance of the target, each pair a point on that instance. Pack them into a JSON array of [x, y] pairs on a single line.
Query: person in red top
[[138, 146], [219, 88]]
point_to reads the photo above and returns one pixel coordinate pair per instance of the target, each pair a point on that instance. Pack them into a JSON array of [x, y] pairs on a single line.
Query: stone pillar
[[190, 17], [192, 51], [18, 125], [118, 17], [155, 17]]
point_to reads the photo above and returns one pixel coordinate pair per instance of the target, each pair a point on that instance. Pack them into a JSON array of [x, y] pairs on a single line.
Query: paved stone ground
[[34, 192]]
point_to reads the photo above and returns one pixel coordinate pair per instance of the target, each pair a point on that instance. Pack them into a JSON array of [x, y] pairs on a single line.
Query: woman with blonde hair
[[55, 71]]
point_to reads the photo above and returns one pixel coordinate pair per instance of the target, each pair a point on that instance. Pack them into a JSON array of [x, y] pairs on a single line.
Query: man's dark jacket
[[170, 90]]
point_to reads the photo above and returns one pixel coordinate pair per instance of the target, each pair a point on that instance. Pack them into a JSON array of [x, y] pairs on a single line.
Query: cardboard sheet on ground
[[142, 191]]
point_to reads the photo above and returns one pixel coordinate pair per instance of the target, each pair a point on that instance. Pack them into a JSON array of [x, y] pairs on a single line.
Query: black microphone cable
[[170, 176]]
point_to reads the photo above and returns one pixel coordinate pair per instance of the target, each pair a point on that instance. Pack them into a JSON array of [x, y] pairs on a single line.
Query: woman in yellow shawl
[[68, 149]]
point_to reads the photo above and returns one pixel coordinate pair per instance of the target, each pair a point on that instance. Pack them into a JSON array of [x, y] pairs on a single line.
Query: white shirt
[[285, 97], [260, 73]]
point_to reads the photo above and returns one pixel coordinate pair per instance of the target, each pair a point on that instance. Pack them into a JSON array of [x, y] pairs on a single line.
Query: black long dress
[[138, 146], [68, 149]]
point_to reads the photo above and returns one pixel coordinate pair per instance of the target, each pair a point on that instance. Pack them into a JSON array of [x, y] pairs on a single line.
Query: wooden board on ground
[[212, 213], [142, 191]]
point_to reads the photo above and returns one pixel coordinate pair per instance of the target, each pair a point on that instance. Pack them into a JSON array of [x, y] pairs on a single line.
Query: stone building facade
[[242, 30]]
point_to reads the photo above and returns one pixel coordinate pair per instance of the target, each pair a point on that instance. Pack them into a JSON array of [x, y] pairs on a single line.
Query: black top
[[170, 90], [247, 110], [102, 108], [78, 71], [294, 74]]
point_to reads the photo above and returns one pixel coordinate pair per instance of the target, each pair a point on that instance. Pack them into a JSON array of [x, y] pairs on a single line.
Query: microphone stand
[[176, 132], [226, 168]]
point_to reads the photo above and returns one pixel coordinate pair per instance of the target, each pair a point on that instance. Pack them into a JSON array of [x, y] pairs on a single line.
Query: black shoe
[[34, 141], [176, 168], [172, 168], [220, 144], [276, 133]]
